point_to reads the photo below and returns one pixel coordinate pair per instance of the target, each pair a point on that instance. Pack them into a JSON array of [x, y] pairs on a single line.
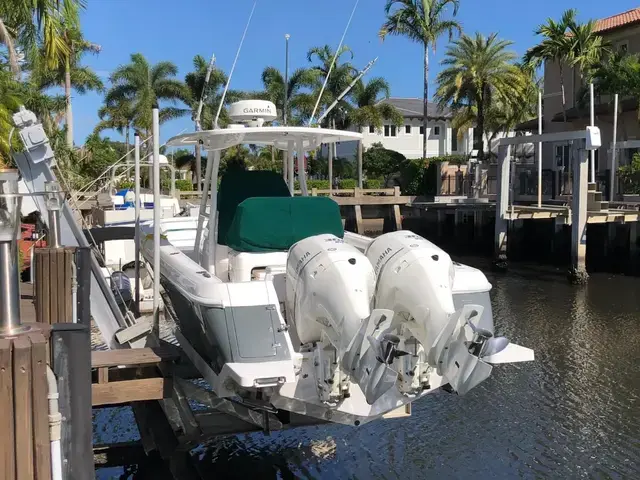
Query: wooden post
[[53, 288], [359, 222], [83, 276], [578, 271], [24, 443], [502, 203]]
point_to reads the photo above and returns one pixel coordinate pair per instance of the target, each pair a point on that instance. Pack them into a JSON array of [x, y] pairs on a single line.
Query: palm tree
[[424, 22], [196, 82], [118, 117], [274, 89], [504, 113], [145, 85], [370, 111], [478, 72], [25, 21], [10, 100], [588, 47], [341, 76], [69, 74], [556, 46]]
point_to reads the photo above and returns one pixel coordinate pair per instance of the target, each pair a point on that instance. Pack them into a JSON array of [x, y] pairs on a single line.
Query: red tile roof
[[620, 20]]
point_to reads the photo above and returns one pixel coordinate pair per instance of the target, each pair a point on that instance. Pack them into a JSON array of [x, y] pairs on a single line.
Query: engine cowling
[[330, 285], [414, 276]]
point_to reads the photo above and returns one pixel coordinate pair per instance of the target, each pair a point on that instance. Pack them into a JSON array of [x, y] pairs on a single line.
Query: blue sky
[[176, 30]]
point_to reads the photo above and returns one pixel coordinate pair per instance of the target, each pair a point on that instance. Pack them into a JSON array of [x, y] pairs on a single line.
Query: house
[[442, 139], [622, 31]]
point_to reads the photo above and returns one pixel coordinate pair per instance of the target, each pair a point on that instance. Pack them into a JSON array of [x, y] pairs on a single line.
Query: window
[[372, 129], [454, 139], [623, 47], [421, 129], [390, 131], [386, 130], [562, 155], [407, 129], [436, 131]]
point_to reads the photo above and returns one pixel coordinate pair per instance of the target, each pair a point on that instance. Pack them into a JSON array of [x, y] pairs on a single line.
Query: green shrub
[[347, 183], [630, 176], [319, 184], [125, 184], [374, 183], [452, 159], [184, 185]]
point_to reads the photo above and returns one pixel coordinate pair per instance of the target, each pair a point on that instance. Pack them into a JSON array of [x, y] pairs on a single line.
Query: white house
[[408, 139]]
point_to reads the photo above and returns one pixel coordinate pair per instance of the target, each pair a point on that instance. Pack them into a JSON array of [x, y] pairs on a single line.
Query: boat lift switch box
[[593, 138]]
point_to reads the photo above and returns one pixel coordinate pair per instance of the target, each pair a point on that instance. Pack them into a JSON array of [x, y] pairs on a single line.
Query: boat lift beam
[[35, 166], [583, 142]]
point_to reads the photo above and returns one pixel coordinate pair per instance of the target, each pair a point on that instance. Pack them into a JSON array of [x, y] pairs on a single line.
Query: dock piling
[[502, 203], [578, 272]]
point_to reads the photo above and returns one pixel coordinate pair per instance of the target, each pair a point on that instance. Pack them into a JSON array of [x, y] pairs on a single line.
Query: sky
[[176, 30]]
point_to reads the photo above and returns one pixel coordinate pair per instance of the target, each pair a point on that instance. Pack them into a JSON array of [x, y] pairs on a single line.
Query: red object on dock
[[27, 242]]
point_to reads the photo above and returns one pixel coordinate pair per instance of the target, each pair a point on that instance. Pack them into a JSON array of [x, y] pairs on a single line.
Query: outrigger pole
[[362, 73]]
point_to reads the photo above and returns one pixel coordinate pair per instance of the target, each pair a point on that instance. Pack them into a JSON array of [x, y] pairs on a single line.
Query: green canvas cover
[[237, 185], [275, 224]]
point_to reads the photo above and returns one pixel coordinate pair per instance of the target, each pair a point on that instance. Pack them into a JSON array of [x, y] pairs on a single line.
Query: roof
[[413, 108], [220, 139], [619, 20]]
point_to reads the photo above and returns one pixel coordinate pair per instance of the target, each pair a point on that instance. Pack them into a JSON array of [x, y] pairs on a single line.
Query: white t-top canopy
[[280, 137]]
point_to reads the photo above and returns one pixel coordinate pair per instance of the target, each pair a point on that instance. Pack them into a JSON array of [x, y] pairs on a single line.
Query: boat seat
[[265, 228], [236, 186], [247, 266]]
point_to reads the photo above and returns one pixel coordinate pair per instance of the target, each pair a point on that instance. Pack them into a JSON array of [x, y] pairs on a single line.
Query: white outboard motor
[[415, 280], [329, 287]]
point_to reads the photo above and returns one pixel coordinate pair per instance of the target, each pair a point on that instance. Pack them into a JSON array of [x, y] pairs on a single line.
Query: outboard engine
[[415, 280], [329, 287]]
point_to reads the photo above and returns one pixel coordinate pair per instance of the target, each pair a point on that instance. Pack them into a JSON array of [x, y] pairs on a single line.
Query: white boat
[[278, 305]]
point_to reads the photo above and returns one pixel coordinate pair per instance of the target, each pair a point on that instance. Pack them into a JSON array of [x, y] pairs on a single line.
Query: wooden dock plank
[[41, 438], [116, 393], [22, 406], [7, 457], [133, 356]]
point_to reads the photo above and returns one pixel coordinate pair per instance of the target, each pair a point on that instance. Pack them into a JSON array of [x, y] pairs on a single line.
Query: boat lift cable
[[233, 67], [347, 90], [93, 182], [128, 316], [333, 62]]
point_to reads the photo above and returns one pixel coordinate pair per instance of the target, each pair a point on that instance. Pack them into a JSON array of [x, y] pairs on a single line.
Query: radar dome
[[253, 113]]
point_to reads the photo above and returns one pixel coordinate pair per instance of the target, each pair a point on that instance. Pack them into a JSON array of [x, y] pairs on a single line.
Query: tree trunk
[[126, 141], [425, 120], [198, 176], [478, 176], [360, 155], [67, 99], [564, 100], [5, 37]]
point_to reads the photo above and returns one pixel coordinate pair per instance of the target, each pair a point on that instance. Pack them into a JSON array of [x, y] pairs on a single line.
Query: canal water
[[573, 413]]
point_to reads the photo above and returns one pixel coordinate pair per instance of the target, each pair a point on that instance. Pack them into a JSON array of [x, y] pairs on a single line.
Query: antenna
[[226, 87], [333, 62], [203, 94], [347, 90]]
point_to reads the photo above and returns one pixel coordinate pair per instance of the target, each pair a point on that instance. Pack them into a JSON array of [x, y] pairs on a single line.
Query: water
[[573, 413]]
